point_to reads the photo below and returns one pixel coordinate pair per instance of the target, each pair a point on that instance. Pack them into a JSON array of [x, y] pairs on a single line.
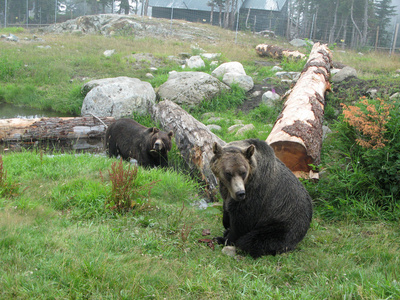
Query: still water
[[8, 111]]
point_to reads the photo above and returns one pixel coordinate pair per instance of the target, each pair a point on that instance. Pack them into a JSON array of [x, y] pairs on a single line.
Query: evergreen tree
[[383, 12]]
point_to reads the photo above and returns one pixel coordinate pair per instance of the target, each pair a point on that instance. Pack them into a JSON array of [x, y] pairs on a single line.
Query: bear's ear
[[217, 149], [248, 153], [154, 130], [170, 134], [151, 130]]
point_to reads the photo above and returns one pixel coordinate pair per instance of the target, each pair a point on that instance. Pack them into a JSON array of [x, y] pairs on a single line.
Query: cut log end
[[293, 155]]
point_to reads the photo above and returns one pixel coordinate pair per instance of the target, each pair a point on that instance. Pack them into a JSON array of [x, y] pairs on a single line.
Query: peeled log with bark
[[193, 139], [297, 134], [277, 52], [52, 129]]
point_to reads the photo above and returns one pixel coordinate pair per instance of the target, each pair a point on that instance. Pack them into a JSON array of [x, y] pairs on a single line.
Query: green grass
[[58, 241]]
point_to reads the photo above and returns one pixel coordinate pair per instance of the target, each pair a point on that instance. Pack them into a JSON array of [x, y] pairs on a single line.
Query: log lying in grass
[[52, 129], [297, 134], [193, 139], [277, 52]]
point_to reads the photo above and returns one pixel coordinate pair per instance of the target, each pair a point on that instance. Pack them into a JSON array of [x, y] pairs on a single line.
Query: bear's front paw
[[220, 240]]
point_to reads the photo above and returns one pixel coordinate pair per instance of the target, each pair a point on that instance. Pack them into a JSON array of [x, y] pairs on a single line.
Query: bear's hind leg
[[265, 240]]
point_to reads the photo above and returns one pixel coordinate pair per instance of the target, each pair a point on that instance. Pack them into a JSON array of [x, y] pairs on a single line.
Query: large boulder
[[117, 97], [243, 81], [234, 73], [229, 67], [190, 88], [343, 74]]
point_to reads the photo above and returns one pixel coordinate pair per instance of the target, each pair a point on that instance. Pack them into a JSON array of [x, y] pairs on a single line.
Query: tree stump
[[297, 134], [193, 139]]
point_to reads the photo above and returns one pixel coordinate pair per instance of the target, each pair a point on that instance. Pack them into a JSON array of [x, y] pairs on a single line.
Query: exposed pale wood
[[40, 129], [193, 139], [277, 52], [297, 134]]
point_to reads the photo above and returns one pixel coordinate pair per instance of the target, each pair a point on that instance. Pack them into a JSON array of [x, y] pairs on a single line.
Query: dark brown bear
[[266, 209], [131, 140]]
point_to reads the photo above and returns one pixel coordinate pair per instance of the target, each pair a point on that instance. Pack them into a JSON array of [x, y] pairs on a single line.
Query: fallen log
[[52, 129], [193, 139], [278, 52], [297, 133]]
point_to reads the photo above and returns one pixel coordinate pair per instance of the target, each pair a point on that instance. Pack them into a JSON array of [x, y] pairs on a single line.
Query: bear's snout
[[241, 195], [158, 145]]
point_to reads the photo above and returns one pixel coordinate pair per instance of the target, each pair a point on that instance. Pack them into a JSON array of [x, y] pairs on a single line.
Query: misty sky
[[397, 3]]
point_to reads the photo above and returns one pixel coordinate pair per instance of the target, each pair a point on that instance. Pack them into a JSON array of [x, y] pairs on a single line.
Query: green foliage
[[9, 68], [358, 181], [292, 65], [8, 188], [13, 30], [224, 101], [58, 241], [264, 114]]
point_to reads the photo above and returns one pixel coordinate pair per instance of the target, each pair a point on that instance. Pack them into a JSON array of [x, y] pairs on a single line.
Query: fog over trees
[[350, 23]]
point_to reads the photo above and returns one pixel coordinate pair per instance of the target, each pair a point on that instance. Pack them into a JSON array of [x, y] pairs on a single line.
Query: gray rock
[[300, 43], [229, 67], [244, 129], [214, 127], [210, 56], [395, 95], [190, 88], [276, 68], [234, 127], [229, 250], [325, 131], [288, 75], [117, 97], [269, 98], [195, 62], [343, 74], [243, 81], [12, 38], [109, 53]]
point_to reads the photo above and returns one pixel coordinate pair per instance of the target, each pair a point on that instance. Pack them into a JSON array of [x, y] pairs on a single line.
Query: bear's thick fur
[[129, 139], [266, 209]]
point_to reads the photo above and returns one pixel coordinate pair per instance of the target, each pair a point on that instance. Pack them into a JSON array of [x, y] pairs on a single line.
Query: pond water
[[8, 111]]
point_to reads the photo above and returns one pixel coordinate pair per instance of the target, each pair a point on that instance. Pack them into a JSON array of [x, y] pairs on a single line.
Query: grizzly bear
[[131, 140], [266, 209]]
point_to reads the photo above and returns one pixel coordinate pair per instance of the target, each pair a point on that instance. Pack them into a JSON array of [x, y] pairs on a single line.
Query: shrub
[[369, 120], [360, 162], [126, 192]]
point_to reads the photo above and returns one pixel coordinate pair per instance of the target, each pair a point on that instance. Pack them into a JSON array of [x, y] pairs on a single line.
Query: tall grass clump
[[361, 169], [8, 188], [126, 191]]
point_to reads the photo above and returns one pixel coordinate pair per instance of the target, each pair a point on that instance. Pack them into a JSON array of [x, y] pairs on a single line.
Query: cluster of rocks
[[133, 25]]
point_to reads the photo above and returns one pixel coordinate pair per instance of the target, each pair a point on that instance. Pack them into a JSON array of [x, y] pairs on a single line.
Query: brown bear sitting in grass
[[131, 140], [266, 209]]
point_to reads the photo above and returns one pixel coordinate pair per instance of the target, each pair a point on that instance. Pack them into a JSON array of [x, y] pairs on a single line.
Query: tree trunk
[[332, 30], [297, 134], [193, 139], [52, 129], [277, 52]]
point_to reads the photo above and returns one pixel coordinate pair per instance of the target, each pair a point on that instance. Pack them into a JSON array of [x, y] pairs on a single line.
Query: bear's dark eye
[[228, 175], [243, 174]]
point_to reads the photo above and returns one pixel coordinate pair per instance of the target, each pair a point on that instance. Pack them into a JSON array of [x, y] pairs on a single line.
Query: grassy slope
[[57, 241]]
